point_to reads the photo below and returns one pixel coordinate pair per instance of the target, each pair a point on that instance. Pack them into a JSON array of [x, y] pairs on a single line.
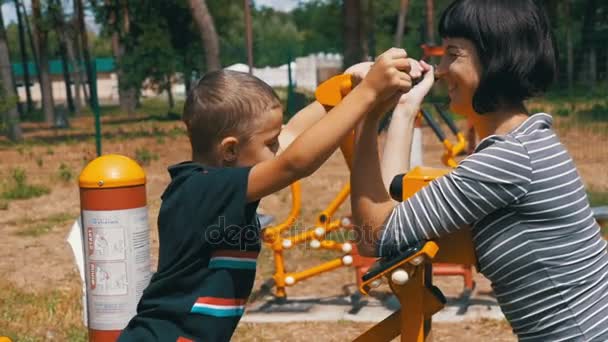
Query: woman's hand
[[414, 98]]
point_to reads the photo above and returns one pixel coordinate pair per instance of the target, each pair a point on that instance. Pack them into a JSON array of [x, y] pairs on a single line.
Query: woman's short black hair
[[514, 43]]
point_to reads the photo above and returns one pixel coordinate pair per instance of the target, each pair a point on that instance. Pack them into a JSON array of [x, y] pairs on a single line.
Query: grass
[[597, 198], [144, 156], [51, 315], [35, 228], [65, 173], [18, 188]]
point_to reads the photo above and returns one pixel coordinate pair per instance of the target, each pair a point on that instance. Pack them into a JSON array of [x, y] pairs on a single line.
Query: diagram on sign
[[106, 244], [108, 279]]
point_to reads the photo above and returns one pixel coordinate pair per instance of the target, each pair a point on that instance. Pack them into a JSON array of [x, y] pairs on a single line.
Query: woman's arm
[[371, 203]]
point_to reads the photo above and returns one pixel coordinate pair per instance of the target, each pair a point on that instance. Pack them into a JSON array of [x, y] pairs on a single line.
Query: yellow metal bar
[[429, 250], [461, 145], [333, 206], [331, 245], [386, 330], [279, 275], [327, 266], [305, 236], [311, 234], [410, 297], [272, 233]]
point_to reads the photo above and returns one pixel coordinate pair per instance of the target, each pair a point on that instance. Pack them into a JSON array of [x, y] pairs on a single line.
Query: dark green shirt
[[209, 242]]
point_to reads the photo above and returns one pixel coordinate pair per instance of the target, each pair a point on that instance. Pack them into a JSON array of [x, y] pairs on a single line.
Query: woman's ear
[[229, 150]]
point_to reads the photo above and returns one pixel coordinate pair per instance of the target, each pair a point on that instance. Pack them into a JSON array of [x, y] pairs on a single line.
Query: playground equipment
[[330, 93], [409, 272], [116, 242]]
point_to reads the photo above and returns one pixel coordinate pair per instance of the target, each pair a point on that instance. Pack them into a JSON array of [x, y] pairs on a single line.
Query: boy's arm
[[311, 149], [370, 201]]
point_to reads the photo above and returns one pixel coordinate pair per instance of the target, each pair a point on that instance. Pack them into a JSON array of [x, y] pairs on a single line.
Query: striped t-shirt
[[534, 233]]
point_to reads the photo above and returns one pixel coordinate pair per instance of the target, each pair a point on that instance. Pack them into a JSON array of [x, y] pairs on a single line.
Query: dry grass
[[49, 315]]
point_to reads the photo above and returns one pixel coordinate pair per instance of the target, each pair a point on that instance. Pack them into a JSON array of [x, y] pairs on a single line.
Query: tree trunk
[[587, 32], [68, 59], [126, 97], [84, 44], [592, 67], [430, 22], [33, 46], [76, 72], [24, 62], [12, 115], [248, 34], [569, 45], [168, 84], [365, 25], [353, 52], [187, 76], [204, 22], [67, 80], [40, 38], [401, 22]]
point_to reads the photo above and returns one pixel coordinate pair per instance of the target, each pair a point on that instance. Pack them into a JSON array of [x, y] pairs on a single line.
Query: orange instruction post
[[116, 242]]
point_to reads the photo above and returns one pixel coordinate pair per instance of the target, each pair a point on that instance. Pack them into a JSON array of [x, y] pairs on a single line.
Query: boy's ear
[[229, 149]]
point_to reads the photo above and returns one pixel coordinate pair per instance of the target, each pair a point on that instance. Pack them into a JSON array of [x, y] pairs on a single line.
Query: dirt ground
[[34, 257]]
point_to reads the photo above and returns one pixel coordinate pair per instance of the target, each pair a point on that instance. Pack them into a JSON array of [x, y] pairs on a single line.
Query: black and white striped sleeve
[[486, 181]]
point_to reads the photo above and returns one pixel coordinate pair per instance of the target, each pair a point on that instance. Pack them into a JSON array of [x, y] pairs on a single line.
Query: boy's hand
[[388, 75]]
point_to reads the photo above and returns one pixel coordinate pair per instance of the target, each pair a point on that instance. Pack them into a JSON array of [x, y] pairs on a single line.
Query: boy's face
[[264, 142]]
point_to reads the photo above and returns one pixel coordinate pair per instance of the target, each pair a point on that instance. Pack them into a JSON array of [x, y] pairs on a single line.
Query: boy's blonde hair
[[225, 103]]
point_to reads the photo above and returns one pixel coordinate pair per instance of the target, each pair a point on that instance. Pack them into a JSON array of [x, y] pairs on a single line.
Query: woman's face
[[460, 69]]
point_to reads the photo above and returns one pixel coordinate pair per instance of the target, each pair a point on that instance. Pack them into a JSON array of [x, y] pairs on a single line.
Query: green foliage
[[18, 188]]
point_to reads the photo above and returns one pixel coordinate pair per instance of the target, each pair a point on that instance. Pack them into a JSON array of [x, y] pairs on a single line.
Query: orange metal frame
[[409, 281]]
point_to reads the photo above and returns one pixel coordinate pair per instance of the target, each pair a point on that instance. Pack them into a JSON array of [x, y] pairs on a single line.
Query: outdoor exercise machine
[[409, 273], [329, 94]]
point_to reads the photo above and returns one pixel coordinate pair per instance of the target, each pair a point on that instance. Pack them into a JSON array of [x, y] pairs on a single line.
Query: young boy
[[208, 229]]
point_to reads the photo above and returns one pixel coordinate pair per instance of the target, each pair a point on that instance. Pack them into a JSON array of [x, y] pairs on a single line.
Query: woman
[[534, 234]]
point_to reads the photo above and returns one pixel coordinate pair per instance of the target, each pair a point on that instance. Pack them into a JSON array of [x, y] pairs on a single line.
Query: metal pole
[[289, 85], [248, 35]]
